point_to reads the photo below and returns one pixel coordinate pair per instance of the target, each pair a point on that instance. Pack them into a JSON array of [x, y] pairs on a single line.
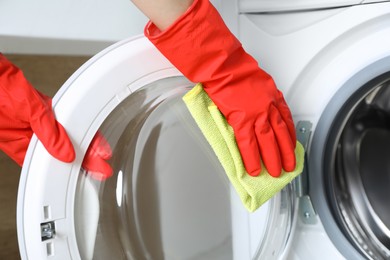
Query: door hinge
[[301, 183]]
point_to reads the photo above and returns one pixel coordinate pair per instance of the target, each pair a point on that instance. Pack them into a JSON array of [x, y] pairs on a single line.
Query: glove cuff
[[199, 44]]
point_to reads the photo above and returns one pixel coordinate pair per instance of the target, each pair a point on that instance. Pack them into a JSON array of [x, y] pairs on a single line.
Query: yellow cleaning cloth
[[253, 191]]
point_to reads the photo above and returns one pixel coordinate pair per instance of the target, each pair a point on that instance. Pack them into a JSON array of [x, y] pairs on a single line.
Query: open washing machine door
[[168, 197]]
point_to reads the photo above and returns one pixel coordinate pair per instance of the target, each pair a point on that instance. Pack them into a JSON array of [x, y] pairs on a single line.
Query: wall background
[[66, 26]]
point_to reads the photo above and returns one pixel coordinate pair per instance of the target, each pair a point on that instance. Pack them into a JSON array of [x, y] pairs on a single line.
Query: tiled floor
[[47, 74]]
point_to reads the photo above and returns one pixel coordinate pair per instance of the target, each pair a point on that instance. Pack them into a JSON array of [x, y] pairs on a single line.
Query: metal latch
[[48, 230]]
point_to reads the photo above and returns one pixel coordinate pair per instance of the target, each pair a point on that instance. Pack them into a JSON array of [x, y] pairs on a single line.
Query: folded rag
[[253, 191]]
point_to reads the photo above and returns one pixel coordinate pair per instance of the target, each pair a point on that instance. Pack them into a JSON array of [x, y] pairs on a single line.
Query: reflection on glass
[[119, 188]]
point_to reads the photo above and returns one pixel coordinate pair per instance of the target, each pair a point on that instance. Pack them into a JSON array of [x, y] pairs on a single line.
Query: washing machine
[[331, 59], [169, 197]]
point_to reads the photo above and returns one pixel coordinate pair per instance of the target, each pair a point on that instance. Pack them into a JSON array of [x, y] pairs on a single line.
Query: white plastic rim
[[48, 187]]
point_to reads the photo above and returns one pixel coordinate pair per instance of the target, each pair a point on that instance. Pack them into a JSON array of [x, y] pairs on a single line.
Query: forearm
[[163, 12]]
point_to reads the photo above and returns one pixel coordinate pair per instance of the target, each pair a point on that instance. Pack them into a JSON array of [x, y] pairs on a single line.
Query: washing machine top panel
[[265, 6], [168, 196], [255, 6]]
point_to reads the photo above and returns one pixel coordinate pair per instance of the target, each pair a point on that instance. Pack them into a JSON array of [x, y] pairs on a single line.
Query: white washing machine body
[[169, 197], [332, 61]]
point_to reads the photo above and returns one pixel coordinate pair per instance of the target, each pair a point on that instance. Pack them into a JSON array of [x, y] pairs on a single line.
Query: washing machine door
[[168, 197]]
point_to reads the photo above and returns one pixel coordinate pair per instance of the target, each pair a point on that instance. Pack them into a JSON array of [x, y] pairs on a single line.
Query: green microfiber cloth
[[253, 191]]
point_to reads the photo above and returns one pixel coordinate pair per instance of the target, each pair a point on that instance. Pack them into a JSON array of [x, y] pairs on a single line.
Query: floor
[[47, 74]]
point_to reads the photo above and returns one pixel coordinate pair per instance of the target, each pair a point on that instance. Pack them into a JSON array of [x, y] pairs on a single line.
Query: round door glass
[[169, 197]]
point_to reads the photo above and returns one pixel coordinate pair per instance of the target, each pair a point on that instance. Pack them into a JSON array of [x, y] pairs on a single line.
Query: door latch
[[48, 230]]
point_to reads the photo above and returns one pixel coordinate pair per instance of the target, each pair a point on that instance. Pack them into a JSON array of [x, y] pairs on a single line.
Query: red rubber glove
[[95, 161], [24, 111], [201, 46]]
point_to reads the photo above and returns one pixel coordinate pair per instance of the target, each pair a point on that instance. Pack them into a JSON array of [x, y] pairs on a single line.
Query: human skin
[[163, 12]]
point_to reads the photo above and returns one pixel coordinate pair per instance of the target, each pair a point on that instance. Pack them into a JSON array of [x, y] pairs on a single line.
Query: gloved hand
[[24, 111], [201, 46], [95, 161]]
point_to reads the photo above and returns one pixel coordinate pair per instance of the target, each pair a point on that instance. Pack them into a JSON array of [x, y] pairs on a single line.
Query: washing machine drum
[[168, 197], [352, 192]]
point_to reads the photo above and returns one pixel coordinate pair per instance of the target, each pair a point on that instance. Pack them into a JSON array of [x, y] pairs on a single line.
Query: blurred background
[[49, 40], [66, 27]]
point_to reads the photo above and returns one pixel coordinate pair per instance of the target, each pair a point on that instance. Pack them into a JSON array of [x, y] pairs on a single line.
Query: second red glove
[[25, 111]]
